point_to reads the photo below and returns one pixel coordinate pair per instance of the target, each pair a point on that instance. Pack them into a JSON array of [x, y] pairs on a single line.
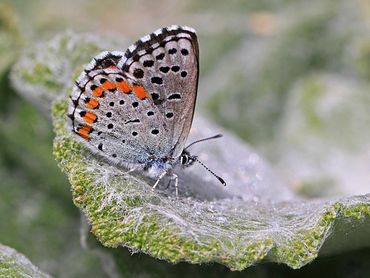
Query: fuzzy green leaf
[[14, 264], [255, 217]]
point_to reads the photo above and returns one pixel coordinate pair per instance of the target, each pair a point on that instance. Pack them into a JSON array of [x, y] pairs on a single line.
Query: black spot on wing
[[164, 69], [174, 96], [172, 51], [138, 73], [154, 131], [155, 96], [132, 121], [148, 63], [157, 80], [175, 68], [184, 52], [160, 56]]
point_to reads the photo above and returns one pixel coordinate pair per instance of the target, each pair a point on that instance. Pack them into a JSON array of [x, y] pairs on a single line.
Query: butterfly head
[[186, 159]]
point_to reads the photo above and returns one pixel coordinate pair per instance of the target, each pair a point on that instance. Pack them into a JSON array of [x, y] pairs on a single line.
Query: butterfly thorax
[[155, 167]]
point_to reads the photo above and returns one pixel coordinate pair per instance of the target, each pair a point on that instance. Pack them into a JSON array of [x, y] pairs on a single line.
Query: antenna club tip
[[222, 181]]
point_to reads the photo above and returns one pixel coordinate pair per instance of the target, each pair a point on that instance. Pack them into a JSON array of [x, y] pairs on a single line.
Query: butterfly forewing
[[166, 64]]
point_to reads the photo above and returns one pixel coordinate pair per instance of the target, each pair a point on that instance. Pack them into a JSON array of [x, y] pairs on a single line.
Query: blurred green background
[[289, 77]]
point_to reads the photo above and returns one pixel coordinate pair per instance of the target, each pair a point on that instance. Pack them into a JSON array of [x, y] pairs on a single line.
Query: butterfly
[[135, 109]]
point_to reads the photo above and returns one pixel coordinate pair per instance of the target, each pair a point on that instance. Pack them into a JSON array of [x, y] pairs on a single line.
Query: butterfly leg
[[168, 184], [130, 171], [176, 178], [159, 178]]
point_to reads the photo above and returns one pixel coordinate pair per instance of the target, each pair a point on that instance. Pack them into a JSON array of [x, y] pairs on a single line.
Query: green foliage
[[237, 232], [14, 264], [270, 89]]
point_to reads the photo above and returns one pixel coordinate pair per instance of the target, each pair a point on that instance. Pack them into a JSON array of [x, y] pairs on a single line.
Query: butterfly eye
[[184, 159]]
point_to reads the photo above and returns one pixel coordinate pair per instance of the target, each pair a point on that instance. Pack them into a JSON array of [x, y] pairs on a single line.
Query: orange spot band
[[98, 92], [90, 117], [108, 85], [92, 103], [124, 87], [112, 67], [140, 92], [84, 131]]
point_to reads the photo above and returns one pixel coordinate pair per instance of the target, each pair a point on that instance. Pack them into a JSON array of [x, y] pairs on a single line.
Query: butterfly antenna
[[209, 170], [204, 139], [221, 180]]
